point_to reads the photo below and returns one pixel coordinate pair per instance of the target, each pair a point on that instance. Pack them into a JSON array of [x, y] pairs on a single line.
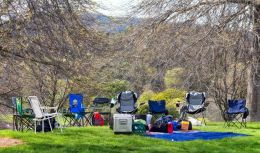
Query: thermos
[[148, 119], [170, 127]]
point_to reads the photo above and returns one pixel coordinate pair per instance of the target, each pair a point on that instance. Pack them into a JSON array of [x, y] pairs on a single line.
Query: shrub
[[111, 89]]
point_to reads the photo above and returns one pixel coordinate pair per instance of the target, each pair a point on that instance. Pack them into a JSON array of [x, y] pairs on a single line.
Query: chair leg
[[203, 118], [35, 124], [43, 126], [50, 124], [60, 126]]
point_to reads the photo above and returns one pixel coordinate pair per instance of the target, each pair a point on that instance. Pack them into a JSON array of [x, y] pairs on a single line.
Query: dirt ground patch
[[8, 142]]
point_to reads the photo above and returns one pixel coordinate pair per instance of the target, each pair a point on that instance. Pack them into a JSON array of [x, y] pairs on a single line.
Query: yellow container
[[184, 125]]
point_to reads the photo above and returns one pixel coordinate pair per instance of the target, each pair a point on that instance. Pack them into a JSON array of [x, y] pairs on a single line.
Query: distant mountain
[[109, 24]]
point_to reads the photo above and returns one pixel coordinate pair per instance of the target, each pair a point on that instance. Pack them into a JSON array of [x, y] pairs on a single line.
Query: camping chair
[[42, 113], [101, 105], [78, 116], [127, 101], [236, 113], [157, 108], [22, 119], [195, 107]]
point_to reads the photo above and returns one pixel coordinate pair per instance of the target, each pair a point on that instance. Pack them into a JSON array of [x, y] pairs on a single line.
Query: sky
[[115, 7]]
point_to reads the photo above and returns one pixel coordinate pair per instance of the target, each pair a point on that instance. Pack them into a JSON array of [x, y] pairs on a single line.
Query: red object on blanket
[[170, 127]]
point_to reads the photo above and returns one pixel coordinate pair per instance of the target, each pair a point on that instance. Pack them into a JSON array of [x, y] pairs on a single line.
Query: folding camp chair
[[236, 113], [127, 101], [22, 119], [42, 113], [157, 108], [195, 107], [127, 104], [78, 115], [101, 105]]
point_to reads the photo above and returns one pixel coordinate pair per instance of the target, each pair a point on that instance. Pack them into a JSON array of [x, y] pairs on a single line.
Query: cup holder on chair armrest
[[206, 104]]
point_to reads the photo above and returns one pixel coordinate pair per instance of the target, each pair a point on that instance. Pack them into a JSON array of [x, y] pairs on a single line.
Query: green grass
[[102, 139]]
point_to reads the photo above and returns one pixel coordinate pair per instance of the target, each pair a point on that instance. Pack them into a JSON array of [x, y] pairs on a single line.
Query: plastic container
[[176, 126], [170, 127], [184, 125], [148, 119]]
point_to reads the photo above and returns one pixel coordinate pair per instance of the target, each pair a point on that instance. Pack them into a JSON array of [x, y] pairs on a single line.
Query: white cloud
[[115, 7]]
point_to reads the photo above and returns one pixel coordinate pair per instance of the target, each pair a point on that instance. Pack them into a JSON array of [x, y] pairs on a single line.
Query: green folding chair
[[22, 118]]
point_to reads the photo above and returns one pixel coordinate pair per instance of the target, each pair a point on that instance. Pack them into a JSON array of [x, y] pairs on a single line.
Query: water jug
[[170, 127]]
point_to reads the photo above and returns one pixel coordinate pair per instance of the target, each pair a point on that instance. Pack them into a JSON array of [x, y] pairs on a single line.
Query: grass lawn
[[102, 139]]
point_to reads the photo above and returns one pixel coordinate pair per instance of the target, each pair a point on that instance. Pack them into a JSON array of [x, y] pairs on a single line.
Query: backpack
[[97, 119], [161, 124], [46, 127]]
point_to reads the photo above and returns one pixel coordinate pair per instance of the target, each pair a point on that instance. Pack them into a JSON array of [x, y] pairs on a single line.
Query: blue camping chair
[[77, 114], [76, 104], [157, 108], [236, 113]]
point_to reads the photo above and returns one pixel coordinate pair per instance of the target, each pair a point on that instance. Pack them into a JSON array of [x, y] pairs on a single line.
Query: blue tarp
[[193, 135]]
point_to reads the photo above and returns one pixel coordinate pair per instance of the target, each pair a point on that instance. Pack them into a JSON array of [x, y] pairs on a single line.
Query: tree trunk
[[253, 90], [157, 83]]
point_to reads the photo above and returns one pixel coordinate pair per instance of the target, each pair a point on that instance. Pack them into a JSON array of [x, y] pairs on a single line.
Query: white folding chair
[[42, 113]]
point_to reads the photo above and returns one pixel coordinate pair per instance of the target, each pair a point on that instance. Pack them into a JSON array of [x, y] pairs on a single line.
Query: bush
[[144, 97], [111, 89]]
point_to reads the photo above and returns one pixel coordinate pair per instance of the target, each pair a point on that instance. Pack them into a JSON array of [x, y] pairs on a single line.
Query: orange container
[[184, 125]]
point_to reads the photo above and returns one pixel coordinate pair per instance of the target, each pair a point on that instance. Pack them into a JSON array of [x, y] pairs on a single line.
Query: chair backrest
[[157, 107], [102, 105], [76, 103], [236, 105], [101, 100], [195, 98], [36, 106], [17, 105], [14, 102], [127, 100]]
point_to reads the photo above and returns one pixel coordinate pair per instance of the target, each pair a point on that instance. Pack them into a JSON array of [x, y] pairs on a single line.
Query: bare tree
[[207, 25], [45, 44]]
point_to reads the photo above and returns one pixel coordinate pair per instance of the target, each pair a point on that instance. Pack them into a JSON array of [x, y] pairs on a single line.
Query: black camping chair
[[195, 107], [127, 102], [236, 113], [101, 105]]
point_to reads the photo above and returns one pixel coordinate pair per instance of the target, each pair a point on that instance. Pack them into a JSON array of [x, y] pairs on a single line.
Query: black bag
[[46, 125], [161, 124]]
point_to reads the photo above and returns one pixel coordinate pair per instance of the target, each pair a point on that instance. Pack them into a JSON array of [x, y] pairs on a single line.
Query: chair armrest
[[180, 104], [48, 108]]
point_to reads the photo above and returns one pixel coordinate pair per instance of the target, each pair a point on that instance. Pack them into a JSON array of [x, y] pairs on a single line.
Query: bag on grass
[[161, 124], [139, 126], [46, 125], [97, 119]]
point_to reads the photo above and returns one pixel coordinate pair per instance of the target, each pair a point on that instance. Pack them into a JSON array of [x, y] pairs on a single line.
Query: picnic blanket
[[193, 135]]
